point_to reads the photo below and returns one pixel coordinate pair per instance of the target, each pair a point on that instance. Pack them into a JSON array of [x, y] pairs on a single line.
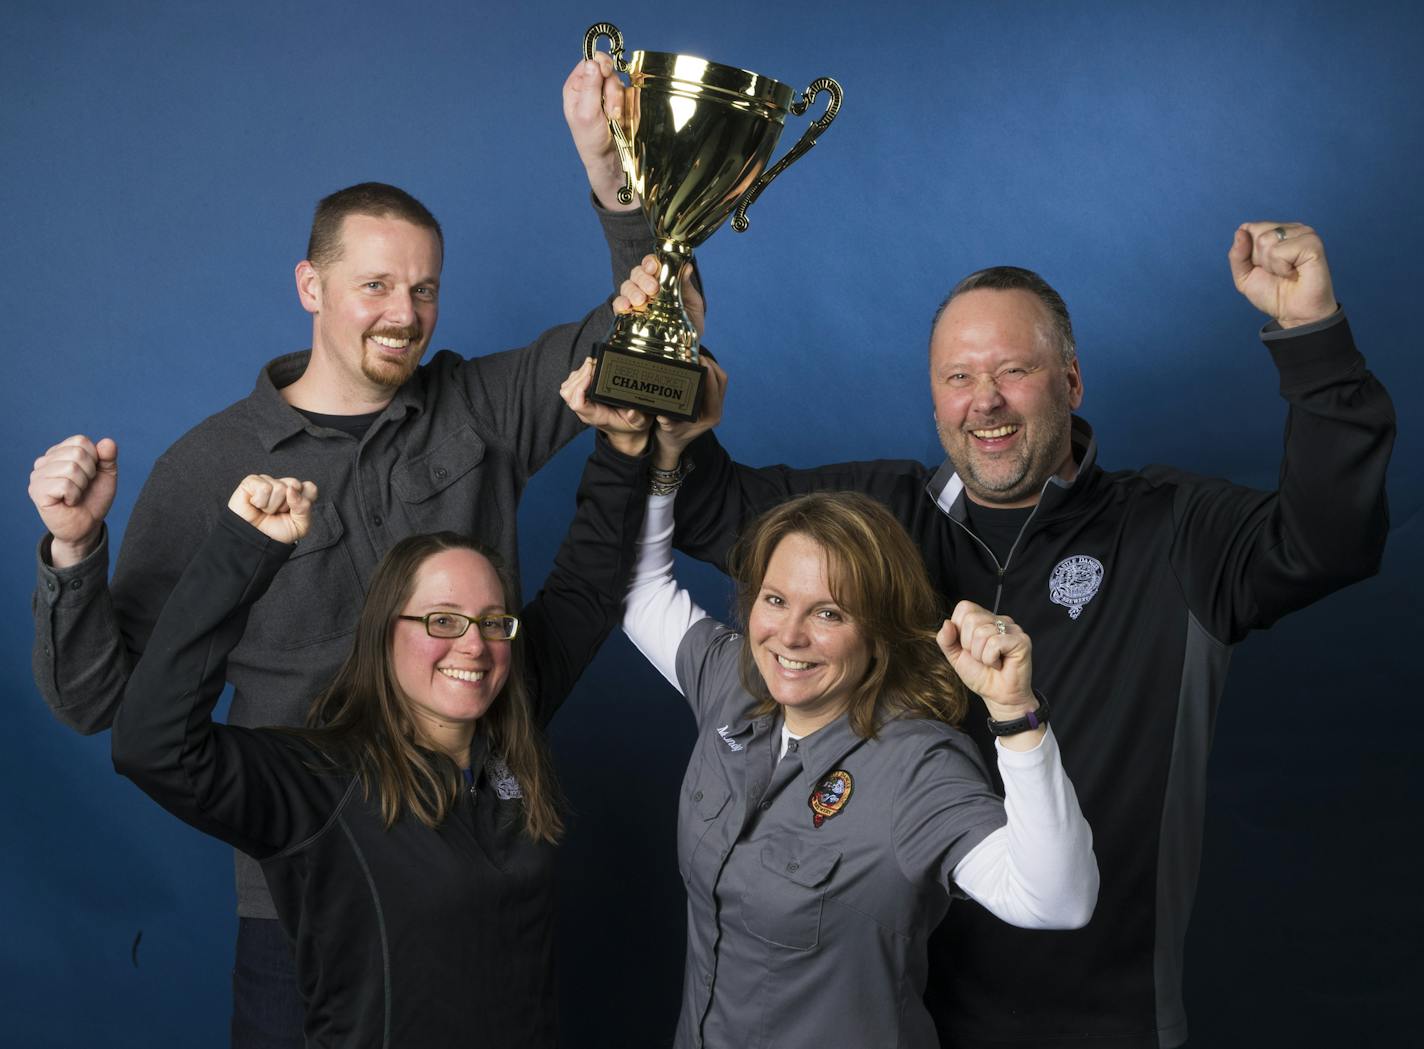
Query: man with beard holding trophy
[[397, 446]]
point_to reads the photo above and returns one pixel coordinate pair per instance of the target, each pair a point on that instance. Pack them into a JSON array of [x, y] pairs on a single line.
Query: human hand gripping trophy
[[694, 142]]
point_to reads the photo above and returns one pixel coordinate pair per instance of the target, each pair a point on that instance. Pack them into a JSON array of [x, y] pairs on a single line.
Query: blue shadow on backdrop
[[160, 163]]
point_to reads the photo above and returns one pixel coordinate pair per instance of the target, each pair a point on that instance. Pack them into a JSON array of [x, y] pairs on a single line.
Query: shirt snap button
[[440, 473], [793, 867], [765, 805], [697, 796], [75, 584]]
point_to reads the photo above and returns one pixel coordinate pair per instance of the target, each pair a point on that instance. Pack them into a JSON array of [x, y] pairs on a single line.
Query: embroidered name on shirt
[[731, 743], [1074, 583], [830, 796]]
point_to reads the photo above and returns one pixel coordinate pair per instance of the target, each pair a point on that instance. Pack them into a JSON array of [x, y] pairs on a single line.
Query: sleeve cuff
[[1314, 353], [621, 225], [603, 449], [72, 583], [1027, 759], [1271, 331]]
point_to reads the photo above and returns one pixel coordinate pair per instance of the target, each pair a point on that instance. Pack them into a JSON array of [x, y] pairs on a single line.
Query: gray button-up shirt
[[452, 450], [806, 931]]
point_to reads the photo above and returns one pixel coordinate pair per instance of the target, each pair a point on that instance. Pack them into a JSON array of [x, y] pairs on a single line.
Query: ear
[[308, 286], [1075, 385]]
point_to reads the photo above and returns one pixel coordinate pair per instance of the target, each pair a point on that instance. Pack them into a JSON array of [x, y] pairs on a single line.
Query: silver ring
[[999, 626], [1280, 232]]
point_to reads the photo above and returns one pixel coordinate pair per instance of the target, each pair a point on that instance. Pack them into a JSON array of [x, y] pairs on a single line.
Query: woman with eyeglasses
[[407, 832]]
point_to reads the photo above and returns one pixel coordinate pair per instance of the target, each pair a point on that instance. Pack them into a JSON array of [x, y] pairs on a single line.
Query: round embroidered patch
[[1074, 582]]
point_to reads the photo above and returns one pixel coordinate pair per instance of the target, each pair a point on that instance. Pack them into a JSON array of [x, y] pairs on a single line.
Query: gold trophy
[[694, 141]]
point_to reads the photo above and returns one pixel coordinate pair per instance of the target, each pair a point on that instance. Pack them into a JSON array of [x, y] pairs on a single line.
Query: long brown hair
[[878, 578], [362, 718]]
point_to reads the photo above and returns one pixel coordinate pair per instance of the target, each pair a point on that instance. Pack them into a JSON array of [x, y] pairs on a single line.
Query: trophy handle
[[620, 65], [808, 139]]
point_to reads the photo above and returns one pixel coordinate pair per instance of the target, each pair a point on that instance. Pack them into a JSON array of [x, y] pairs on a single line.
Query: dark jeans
[[266, 1006]]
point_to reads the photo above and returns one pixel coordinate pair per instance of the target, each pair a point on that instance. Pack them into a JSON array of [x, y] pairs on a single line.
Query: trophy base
[[653, 384]]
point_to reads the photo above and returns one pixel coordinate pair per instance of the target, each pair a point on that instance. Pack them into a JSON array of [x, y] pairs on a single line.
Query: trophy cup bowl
[[694, 144]]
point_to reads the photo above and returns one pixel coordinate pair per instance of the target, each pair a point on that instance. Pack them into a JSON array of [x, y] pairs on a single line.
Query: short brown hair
[[1016, 278], [367, 198], [362, 719], [878, 578]]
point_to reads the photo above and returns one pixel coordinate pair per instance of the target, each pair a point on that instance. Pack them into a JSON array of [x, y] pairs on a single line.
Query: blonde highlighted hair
[[878, 579]]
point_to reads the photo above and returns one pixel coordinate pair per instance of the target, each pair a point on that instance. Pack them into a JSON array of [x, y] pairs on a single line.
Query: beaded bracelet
[[666, 482]]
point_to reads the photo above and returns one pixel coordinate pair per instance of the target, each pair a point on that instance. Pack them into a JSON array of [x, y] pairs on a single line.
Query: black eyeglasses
[[453, 624]]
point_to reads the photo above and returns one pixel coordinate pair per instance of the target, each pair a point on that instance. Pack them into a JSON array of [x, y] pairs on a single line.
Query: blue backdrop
[[159, 168]]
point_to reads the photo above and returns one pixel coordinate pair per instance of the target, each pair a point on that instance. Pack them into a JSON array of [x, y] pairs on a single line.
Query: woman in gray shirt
[[830, 809]]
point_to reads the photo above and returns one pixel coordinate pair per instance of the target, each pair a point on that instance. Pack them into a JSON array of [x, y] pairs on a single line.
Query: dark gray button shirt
[[800, 934], [452, 450]]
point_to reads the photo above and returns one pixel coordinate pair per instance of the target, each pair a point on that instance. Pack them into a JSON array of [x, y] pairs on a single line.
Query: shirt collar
[[276, 420], [946, 487], [824, 749]]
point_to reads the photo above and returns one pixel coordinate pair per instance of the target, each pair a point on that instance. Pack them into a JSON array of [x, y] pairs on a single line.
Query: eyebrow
[[445, 606], [363, 277], [1008, 362]]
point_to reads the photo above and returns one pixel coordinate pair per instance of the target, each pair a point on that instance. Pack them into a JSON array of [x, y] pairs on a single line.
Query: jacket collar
[[946, 488]]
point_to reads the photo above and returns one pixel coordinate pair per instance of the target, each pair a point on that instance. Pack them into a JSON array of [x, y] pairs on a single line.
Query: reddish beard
[[388, 371]]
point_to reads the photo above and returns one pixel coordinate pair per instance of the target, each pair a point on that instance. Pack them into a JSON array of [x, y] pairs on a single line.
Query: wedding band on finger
[[999, 626], [1280, 232]]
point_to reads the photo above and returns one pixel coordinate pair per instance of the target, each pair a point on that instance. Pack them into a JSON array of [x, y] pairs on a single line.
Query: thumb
[[108, 453], [948, 639], [300, 498], [1240, 256]]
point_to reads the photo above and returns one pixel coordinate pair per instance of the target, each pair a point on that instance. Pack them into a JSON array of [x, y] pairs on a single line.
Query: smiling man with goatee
[[396, 446]]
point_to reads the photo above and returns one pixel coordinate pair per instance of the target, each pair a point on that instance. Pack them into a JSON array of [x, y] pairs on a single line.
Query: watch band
[[1027, 723]]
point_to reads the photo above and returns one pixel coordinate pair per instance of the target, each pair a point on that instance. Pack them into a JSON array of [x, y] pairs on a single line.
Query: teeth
[[999, 431], [389, 343], [792, 664], [463, 675]]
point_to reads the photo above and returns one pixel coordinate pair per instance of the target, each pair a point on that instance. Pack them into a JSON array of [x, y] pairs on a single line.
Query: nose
[[400, 308], [471, 642], [987, 397], [791, 632]]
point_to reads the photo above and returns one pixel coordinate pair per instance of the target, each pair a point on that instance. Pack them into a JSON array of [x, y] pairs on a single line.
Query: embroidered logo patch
[[830, 796], [505, 785], [1074, 582]]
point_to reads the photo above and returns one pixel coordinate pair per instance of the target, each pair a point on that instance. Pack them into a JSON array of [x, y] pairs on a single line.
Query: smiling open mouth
[[390, 342], [463, 675], [996, 432], [793, 664]]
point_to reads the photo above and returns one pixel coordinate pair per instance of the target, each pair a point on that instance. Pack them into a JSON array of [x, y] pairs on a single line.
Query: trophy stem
[[649, 360], [673, 258], [661, 327]]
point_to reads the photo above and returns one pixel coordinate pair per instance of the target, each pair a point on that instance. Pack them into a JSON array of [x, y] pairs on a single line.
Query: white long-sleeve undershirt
[[1038, 871]]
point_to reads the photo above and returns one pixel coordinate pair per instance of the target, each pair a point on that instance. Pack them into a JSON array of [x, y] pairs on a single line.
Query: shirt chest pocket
[[781, 903], [703, 801], [316, 595], [426, 484]]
